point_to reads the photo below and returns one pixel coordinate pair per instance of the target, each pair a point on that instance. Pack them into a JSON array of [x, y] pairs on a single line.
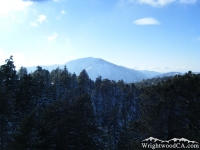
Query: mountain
[[98, 67], [168, 74], [171, 74]]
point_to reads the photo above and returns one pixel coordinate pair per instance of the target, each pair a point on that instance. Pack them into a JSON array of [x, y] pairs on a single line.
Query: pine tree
[[8, 84], [84, 133], [22, 71], [84, 82], [169, 109], [42, 82], [24, 102]]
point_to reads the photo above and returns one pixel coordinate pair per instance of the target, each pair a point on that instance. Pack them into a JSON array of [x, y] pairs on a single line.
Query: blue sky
[[159, 35]]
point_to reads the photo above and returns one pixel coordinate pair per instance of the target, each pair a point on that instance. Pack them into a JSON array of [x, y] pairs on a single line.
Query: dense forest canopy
[[65, 111]]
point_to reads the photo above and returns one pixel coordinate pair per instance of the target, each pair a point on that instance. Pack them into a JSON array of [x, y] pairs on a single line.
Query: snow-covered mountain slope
[[98, 67]]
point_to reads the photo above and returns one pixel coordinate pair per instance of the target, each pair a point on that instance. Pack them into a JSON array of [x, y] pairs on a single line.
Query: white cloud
[[41, 18], [58, 0], [188, 1], [52, 37], [154, 3], [62, 12], [146, 21], [159, 3], [7, 6]]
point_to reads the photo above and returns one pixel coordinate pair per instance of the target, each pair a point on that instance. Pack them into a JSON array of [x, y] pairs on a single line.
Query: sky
[[156, 35]]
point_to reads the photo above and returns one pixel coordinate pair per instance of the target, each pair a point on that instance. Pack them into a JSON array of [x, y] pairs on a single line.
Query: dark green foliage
[[60, 126], [24, 93], [170, 109], [22, 71], [8, 86], [84, 133], [59, 110], [84, 83]]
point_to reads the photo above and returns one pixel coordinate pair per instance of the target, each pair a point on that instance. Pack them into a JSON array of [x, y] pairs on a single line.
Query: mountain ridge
[[98, 67]]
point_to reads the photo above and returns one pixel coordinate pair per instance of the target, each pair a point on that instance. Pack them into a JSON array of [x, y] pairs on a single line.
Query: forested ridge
[[59, 110]]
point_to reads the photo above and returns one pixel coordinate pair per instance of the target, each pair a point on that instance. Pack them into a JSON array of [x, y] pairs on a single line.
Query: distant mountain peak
[[98, 67]]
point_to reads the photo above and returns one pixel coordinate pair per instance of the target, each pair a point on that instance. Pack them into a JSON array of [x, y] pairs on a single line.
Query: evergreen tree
[[84, 82], [42, 82], [24, 102], [84, 133], [22, 71], [170, 109], [59, 110], [8, 85]]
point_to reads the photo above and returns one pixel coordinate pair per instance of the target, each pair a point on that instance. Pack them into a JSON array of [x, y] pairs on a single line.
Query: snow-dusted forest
[[65, 111]]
